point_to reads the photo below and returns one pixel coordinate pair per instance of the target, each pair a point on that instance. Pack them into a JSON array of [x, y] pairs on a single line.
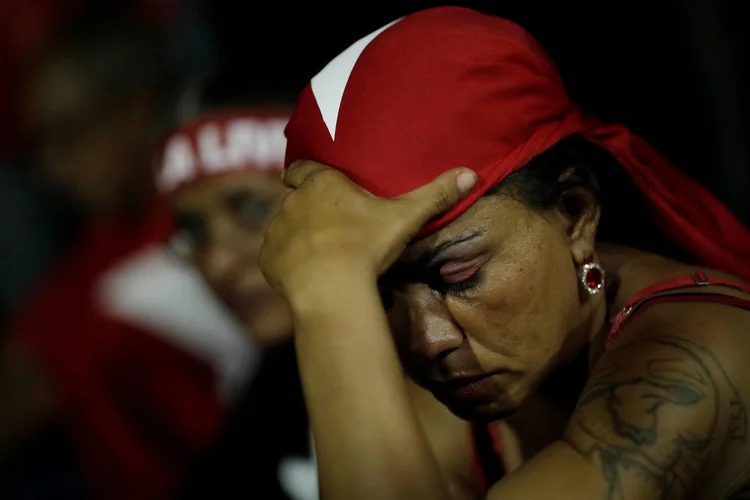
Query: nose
[[426, 323], [224, 254], [219, 264]]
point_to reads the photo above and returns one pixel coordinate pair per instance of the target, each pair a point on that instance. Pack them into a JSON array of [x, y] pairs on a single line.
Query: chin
[[269, 329], [487, 406], [268, 335]]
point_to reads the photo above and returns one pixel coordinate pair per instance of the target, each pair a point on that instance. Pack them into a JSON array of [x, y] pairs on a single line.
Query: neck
[[562, 387], [590, 334], [591, 329], [598, 325], [565, 382]]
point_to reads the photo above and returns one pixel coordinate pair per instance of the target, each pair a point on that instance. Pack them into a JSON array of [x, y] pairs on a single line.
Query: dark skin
[[678, 376], [660, 414]]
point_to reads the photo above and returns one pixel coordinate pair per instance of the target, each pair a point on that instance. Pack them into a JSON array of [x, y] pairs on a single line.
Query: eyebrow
[[430, 256]]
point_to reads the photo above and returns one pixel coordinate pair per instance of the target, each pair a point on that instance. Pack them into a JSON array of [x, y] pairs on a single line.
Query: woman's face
[[484, 308], [221, 223]]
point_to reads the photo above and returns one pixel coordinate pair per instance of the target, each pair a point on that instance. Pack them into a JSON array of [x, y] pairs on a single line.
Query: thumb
[[440, 194]]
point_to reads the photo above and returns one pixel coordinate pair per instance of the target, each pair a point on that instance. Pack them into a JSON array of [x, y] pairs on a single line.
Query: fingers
[[439, 195], [300, 170]]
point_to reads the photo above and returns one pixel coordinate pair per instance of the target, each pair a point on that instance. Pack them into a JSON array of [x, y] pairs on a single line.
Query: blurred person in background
[[26, 25], [220, 168], [89, 107], [120, 354], [83, 142], [61, 60], [92, 100]]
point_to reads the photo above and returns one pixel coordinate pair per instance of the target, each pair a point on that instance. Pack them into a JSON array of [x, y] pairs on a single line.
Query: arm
[[368, 441], [657, 414], [326, 262]]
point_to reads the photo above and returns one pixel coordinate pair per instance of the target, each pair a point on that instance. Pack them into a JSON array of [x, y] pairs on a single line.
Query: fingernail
[[466, 181]]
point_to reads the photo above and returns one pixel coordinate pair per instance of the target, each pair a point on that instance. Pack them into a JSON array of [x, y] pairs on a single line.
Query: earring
[[592, 276]]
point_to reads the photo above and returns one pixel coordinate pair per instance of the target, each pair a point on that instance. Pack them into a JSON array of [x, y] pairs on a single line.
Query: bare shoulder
[[710, 327], [664, 413]]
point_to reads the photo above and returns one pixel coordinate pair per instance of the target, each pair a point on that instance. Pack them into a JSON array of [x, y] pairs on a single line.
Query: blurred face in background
[[90, 142], [221, 222]]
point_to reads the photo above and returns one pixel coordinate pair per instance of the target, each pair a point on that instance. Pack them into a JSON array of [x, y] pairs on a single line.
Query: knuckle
[[297, 172], [298, 164], [404, 208], [325, 177], [443, 199], [287, 204]]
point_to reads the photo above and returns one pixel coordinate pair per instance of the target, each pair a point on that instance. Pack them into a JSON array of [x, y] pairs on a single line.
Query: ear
[[582, 212]]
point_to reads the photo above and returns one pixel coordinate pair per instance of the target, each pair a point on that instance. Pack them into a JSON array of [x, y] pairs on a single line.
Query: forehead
[[210, 193], [495, 218]]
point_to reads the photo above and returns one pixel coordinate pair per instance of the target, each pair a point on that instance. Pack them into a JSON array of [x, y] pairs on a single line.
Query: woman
[[566, 279], [219, 223], [220, 170]]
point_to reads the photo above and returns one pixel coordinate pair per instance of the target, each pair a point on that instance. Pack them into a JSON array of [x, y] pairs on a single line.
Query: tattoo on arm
[[654, 414]]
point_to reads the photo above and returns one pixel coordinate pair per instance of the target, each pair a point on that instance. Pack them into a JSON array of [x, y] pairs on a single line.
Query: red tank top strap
[[488, 455], [651, 295]]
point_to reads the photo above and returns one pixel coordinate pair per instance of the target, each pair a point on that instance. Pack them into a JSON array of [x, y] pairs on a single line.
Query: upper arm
[[657, 414], [450, 441]]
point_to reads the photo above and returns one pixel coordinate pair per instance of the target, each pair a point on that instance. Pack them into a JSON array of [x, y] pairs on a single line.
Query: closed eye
[[455, 277], [451, 286]]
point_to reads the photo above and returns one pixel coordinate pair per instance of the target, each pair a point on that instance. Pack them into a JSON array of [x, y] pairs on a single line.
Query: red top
[[139, 401]]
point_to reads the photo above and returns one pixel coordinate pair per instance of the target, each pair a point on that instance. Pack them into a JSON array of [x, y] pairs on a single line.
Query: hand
[[328, 227]]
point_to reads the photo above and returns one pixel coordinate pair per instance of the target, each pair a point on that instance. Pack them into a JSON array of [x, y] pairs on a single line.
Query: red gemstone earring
[[592, 276]]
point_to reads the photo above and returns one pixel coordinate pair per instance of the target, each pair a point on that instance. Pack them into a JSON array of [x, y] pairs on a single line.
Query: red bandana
[[449, 87]]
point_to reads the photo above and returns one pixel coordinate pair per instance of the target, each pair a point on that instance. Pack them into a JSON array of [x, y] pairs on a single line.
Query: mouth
[[463, 390], [246, 300]]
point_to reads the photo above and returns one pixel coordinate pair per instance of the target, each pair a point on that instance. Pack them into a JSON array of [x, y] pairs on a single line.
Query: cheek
[[522, 311], [253, 239], [398, 314]]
